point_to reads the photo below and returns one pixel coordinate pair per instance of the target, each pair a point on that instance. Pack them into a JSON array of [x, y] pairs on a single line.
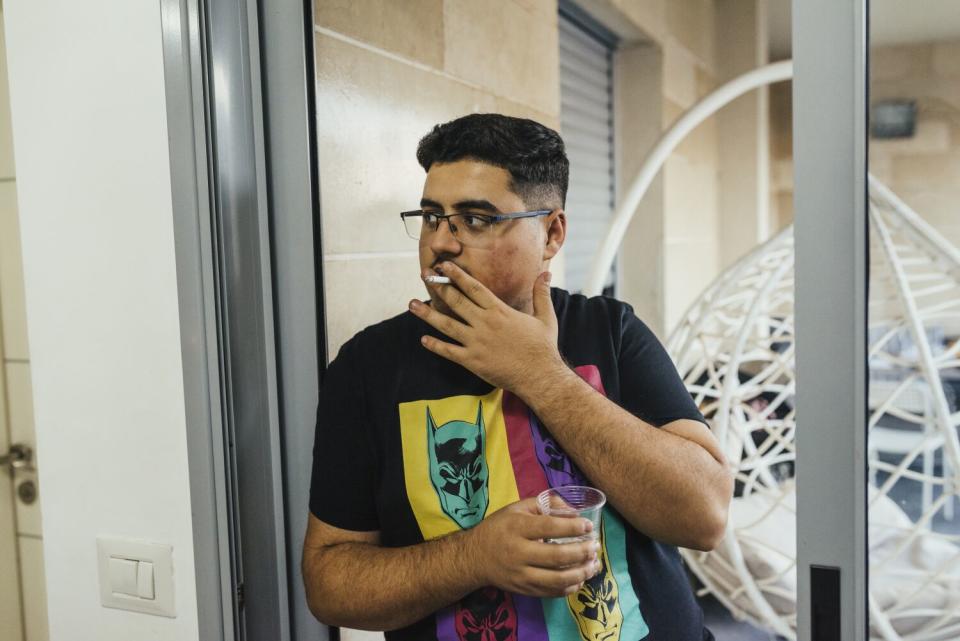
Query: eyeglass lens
[[468, 228]]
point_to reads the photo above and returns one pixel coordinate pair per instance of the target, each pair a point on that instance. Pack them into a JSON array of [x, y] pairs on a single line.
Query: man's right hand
[[513, 557]]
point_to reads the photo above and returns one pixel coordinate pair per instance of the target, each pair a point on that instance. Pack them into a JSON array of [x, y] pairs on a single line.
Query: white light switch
[[123, 576], [145, 580], [136, 575]]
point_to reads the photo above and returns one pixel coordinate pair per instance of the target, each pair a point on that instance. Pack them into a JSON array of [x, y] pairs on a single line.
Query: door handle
[[20, 455]]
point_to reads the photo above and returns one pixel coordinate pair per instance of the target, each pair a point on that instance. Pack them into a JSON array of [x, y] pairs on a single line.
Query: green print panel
[[458, 468], [606, 607]]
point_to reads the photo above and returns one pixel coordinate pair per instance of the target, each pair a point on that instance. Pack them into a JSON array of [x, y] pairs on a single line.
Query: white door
[[23, 615]]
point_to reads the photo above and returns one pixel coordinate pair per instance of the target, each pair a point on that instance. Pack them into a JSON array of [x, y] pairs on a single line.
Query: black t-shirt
[[417, 447]]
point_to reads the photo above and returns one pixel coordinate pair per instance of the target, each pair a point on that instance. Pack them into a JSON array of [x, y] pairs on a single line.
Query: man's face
[[509, 266]]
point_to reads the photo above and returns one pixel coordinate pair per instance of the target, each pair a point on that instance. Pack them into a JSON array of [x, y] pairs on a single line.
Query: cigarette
[[437, 280]]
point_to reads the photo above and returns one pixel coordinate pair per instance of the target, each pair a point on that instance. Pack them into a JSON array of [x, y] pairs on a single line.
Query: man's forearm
[[666, 486], [369, 587]]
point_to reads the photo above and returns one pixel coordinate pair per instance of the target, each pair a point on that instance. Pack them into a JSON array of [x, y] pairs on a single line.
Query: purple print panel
[[556, 465], [554, 462]]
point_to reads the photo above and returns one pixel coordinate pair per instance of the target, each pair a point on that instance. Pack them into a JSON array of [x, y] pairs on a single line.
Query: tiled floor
[[725, 628]]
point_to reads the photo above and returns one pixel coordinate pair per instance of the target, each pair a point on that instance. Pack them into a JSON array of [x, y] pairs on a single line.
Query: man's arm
[[671, 483], [352, 581]]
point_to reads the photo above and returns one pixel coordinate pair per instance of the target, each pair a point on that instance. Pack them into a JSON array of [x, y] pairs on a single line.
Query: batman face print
[[486, 615], [458, 468], [596, 606]]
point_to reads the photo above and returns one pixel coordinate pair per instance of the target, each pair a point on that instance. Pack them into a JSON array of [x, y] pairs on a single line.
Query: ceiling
[[892, 22]]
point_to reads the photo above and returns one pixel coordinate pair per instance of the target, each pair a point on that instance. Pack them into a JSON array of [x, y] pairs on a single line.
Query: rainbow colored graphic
[[465, 457]]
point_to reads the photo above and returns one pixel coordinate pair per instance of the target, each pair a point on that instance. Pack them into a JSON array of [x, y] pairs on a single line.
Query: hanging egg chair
[[734, 349]]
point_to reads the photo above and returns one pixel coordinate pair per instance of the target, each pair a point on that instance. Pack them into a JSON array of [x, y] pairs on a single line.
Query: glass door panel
[[913, 454]]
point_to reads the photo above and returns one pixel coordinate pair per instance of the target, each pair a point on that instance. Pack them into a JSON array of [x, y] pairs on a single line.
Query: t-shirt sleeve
[[650, 387], [344, 479]]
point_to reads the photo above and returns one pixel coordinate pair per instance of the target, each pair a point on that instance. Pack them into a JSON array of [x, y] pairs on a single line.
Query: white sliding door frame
[[239, 86], [829, 134]]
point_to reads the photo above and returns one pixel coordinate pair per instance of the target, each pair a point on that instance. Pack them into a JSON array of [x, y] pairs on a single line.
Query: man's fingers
[[449, 351], [440, 321], [559, 582], [528, 506], [564, 555], [457, 301], [542, 303], [558, 527], [472, 289]]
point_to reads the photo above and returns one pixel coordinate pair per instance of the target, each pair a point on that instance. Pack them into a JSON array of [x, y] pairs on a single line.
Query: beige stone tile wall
[[386, 73], [923, 170], [691, 178], [744, 132], [639, 123], [781, 155], [509, 48], [685, 32], [412, 29], [692, 24]]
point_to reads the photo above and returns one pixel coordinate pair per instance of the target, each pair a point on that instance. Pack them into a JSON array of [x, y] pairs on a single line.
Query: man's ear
[[556, 233]]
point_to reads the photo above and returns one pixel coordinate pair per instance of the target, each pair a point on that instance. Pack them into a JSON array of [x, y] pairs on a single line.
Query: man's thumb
[[542, 303]]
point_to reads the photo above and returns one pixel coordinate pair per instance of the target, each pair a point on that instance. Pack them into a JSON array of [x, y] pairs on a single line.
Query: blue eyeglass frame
[[493, 218]]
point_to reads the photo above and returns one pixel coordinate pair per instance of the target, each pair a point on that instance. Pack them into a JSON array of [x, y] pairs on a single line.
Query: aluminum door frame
[[192, 225], [246, 217], [287, 56], [244, 269], [830, 200]]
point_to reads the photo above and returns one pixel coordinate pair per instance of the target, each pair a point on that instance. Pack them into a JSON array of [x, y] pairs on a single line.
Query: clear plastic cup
[[574, 501]]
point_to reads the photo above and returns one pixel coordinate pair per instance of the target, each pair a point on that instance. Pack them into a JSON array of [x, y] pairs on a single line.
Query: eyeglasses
[[471, 230]]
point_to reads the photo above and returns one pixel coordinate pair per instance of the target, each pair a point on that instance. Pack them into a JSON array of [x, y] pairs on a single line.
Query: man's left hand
[[501, 345]]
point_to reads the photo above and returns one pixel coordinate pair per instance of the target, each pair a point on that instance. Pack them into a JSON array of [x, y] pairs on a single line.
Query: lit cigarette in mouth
[[437, 280]]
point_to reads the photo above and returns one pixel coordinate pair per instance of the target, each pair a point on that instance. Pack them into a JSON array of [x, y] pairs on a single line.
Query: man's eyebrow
[[463, 205], [473, 205]]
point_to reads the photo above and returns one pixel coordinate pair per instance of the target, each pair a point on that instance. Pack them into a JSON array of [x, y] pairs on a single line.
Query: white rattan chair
[[734, 349]]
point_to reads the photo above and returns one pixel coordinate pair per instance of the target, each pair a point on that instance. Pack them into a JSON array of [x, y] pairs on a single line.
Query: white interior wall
[[89, 123]]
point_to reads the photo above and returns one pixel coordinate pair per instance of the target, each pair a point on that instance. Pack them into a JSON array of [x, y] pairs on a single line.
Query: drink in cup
[[573, 501]]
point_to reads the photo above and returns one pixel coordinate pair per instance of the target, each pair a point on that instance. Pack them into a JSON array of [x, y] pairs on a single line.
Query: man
[[438, 428]]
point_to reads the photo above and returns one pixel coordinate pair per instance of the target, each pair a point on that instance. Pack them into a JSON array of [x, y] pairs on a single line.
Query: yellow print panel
[[456, 461]]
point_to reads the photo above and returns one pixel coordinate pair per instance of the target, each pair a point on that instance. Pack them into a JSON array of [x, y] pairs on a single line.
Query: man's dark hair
[[532, 153]]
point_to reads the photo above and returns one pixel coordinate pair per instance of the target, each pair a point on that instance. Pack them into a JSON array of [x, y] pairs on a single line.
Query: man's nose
[[465, 491], [443, 241]]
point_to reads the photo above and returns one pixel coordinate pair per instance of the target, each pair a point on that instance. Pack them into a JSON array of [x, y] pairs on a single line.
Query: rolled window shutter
[[586, 124]]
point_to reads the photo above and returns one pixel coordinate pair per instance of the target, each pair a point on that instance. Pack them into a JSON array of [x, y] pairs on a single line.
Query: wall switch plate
[[136, 575]]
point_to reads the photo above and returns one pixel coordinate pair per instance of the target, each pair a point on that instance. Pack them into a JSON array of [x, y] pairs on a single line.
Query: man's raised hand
[[501, 345]]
